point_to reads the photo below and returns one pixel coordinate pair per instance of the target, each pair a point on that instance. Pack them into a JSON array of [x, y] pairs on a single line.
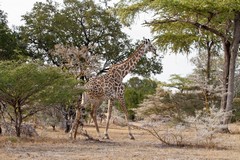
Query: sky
[[172, 63]]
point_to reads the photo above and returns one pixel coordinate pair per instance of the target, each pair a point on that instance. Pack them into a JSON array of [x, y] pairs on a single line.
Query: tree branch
[[196, 24], [32, 112]]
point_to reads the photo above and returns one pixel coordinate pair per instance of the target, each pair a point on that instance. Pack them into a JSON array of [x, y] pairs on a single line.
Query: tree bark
[[54, 127], [18, 119], [227, 55], [208, 74], [234, 53]]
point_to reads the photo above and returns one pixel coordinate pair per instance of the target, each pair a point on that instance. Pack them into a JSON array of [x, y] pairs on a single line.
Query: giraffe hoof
[[131, 137], [106, 136]]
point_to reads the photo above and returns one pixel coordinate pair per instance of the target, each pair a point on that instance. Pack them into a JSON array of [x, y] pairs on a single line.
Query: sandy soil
[[52, 145]]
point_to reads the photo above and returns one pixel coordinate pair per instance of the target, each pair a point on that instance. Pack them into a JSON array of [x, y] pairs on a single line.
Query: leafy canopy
[[11, 46], [180, 23], [81, 23], [30, 83], [75, 23], [137, 89]]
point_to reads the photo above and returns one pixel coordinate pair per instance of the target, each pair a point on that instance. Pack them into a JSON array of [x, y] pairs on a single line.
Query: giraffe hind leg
[[94, 118], [106, 136]]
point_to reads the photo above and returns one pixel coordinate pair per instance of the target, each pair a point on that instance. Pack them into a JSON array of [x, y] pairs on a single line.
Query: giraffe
[[110, 87]]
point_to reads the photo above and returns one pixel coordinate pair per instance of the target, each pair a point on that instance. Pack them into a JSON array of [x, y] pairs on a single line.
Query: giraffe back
[[104, 87]]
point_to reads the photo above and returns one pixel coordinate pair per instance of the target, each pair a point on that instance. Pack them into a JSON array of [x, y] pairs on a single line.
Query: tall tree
[[79, 23], [11, 46], [176, 23], [76, 23]]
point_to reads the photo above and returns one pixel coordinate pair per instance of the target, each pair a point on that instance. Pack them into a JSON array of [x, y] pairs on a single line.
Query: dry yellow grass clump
[[52, 145]]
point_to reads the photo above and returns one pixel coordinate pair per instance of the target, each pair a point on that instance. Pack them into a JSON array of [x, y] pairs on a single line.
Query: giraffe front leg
[[123, 106], [106, 136]]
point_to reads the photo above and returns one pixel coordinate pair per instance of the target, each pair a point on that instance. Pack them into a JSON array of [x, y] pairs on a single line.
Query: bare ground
[[52, 145]]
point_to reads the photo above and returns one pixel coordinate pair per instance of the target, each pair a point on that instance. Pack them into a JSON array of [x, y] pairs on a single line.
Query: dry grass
[[56, 146]]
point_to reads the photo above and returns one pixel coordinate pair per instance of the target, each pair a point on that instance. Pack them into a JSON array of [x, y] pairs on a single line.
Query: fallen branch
[[164, 139]]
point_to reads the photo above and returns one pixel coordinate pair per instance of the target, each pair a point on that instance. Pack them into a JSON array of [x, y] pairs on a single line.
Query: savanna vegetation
[[44, 63]]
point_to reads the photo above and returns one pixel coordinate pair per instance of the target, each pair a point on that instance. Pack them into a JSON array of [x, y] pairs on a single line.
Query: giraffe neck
[[122, 69]]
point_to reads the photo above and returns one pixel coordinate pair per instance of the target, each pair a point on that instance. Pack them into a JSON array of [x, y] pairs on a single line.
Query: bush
[[205, 124]]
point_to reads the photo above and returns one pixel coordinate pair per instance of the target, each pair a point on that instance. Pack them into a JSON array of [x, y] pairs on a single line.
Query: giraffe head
[[148, 47]]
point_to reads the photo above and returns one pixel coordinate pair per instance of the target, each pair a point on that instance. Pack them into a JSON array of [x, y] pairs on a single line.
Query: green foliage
[[5, 37], [188, 102], [11, 46], [169, 33], [76, 23], [180, 83], [81, 23], [148, 66], [30, 83], [136, 90], [180, 23], [27, 88], [172, 105]]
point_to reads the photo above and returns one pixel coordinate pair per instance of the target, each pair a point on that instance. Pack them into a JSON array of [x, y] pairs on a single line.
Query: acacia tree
[[26, 88], [176, 22], [182, 84]]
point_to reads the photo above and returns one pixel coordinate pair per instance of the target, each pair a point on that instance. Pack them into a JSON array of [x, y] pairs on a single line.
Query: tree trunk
[[54, 127], [69, 115], [208, 74], [18, 119], [227, 55], [234, 53]]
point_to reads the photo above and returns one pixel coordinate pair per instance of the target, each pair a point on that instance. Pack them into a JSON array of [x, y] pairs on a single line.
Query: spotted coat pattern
[[110, 87]]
